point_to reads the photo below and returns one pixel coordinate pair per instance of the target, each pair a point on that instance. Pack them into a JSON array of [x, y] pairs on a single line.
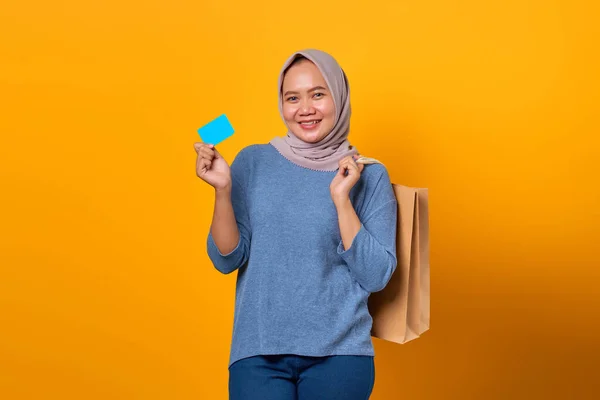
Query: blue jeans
[[293, 377]]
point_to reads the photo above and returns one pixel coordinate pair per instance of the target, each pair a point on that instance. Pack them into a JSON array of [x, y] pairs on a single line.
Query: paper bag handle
[[367, 160]]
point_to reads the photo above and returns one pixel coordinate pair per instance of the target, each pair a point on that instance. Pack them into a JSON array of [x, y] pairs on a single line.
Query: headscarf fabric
[[325, 154]]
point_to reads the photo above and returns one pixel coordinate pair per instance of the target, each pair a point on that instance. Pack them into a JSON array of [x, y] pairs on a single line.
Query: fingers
[[205, 147], [203, 165], [200, 145], [206, 151], [343, 168], [348, 163], [360, 166], [206, 154]]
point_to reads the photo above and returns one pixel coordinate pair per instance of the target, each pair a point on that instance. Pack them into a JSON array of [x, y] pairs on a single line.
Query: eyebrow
[[311, 90]]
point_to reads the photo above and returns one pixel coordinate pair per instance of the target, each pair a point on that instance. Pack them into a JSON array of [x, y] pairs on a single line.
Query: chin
[[309, 136]]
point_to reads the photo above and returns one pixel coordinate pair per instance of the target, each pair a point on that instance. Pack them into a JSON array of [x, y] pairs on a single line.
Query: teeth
[[309, 123]]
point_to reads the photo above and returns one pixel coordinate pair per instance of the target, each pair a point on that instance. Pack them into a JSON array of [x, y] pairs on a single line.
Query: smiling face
[[308, 107]]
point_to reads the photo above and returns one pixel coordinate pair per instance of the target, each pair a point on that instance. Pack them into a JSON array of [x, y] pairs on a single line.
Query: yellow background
[[106, 291]]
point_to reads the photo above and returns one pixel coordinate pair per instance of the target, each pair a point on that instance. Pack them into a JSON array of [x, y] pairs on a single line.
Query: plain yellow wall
[[106, 291]]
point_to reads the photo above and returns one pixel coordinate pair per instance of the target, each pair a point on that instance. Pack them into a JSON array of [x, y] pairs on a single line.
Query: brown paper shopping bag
[[401, 311]]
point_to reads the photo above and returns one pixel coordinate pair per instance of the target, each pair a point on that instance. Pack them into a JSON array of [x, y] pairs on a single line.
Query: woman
[[311, 234]]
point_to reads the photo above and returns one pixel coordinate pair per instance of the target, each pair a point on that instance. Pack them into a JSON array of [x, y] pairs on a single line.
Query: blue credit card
[[216, 131]]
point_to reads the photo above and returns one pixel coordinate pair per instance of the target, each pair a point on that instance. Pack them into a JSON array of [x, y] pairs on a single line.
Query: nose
[[306, 107]]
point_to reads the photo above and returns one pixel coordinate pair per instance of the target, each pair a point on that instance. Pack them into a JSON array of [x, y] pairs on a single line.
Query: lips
[[310, 125], [310, 122]]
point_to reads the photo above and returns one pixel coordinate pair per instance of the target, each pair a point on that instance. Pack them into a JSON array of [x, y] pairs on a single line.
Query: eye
[[291, 98], [319, 94]]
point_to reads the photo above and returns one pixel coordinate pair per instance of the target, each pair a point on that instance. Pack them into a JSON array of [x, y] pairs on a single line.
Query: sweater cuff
[[349, 254], [215, 250]]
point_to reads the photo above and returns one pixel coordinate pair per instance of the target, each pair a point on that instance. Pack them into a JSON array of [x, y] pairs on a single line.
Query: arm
[[224, 229], [369, 246], [349, 223], [228, 242]]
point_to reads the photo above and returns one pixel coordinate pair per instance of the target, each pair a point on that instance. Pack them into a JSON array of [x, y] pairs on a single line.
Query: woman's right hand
[[211, 167]]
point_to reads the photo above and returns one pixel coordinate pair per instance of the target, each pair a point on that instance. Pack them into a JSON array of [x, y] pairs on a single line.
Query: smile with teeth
[[310, 122]]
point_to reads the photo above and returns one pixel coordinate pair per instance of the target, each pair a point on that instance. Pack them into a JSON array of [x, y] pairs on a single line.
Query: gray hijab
[[323, 155]]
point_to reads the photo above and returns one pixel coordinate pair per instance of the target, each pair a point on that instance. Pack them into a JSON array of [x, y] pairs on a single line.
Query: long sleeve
[[371, 257], [227, 263]]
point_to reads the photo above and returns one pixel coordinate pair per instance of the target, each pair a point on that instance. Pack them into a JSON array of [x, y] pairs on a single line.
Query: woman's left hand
[[342, 184]]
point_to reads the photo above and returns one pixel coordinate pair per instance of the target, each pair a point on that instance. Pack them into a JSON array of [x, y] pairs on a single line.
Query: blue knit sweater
[[299, 291]]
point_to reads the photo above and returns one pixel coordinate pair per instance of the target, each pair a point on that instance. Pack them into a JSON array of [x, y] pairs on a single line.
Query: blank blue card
[[216, 131]]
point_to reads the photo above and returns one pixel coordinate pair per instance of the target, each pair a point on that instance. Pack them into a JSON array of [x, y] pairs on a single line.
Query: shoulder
[[376, 174], [245, 155], [252, 151], [246, 160], [250, 156], [375, 187]]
